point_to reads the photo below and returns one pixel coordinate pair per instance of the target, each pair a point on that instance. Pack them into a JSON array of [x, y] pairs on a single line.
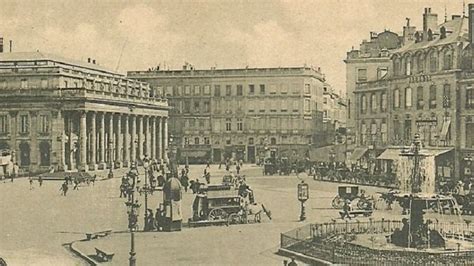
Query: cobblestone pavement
[[35, 223]]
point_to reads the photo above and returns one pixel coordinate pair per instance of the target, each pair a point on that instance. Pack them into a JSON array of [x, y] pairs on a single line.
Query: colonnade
[[100, 140]]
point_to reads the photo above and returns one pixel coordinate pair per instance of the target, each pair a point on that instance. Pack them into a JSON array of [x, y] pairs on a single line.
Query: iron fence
[[330, 242]]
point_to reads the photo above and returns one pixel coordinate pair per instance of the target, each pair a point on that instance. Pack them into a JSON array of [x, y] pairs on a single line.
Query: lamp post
[[303, 195], [132, 211], [146, 190], [468, 166]]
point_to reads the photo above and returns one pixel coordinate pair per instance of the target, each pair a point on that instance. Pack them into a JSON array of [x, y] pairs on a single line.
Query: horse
[[256, 210]]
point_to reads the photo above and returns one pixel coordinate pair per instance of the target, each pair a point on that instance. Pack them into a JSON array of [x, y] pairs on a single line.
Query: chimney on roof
[[1, 44], [88, 60], [430, 22], [408, 32], [373, 35], [471, 23]]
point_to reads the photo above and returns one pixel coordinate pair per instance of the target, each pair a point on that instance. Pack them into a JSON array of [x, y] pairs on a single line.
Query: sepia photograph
[[236, 132]]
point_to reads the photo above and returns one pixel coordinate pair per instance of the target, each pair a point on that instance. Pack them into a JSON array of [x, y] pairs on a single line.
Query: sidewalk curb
[[81, 255], [302, 257]]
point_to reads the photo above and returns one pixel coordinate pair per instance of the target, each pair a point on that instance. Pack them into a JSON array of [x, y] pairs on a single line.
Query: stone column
[[110, 141], [153, 138], [133, 142], [140, 138], [119, 140], [61, 117], [34, 145], [126, 141], [463, 132], [83, 141], [147, 136], [70, 124], [93, 143], [102, 141], [165, 139], [159, 139], [13, 132]]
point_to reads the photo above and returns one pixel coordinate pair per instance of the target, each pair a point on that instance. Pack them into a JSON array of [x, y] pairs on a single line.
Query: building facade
[[241, 113], [67, 115], [428, 91], [371, 62]]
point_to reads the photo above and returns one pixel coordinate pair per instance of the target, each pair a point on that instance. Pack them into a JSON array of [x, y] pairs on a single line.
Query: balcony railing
[[82, 92]]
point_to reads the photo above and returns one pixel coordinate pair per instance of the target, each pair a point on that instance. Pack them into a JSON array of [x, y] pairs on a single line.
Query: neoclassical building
[[428, 90], [244, 113], [56, 112]]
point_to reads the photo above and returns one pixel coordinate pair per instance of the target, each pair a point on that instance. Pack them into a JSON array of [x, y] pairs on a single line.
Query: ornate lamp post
[[146, 189], [303, 195], [468, 166], [132, 211]]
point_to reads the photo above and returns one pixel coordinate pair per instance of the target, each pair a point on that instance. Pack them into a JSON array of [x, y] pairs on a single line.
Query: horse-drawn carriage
[[285, 166], [466, 202], [269, 166], [351, 193], [224, 204]]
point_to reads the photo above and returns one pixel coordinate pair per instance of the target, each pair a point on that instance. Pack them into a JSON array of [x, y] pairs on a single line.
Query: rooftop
[[270, 71], [40, 56], [456, 31]]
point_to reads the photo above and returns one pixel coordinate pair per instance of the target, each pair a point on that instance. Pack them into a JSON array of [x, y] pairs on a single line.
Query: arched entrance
[[45, 153], [25, 154]]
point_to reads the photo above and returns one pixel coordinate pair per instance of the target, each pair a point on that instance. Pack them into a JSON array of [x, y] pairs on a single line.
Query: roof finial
[[445, 14], [463, 8]]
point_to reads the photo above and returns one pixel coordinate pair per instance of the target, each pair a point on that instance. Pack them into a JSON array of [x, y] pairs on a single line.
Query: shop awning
[[357, 154], [445, 129], [390, 154], [434, 152]]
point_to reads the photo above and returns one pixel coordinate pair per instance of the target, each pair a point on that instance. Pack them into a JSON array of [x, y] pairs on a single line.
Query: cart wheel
[[337, 202], [234, 218], [217, 214]]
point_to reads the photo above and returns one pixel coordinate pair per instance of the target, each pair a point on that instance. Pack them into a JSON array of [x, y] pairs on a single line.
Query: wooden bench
[[98, 234], [104, 255], [356, 213]]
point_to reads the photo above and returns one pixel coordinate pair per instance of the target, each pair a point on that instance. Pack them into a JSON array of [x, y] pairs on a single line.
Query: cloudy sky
[[225, 33]]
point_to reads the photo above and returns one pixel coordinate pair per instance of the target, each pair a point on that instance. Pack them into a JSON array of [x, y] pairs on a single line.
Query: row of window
[[232, 90], [419, 63], [251, 141], [24, 124], [204, 106], [379, 102]]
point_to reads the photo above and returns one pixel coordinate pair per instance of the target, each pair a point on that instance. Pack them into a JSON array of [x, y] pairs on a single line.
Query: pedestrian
[[238, 168], [40, 180], [15, 170], [207, 176], [150, 221], [220, 164], [76, 184], [31, 182], [346, 209], [208, 165], [185, 182], [64, 188]]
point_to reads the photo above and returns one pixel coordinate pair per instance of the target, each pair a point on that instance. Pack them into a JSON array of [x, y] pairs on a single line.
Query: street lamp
[[468, 167], [132, 211], [303, 195], [146, 190]]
